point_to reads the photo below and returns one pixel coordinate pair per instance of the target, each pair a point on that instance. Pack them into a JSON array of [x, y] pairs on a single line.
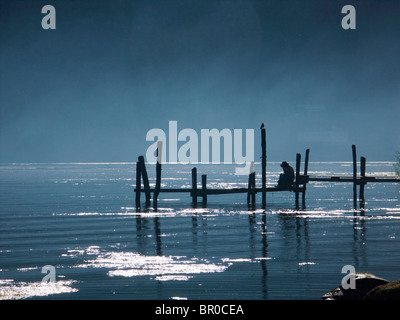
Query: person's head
[[284, 164]]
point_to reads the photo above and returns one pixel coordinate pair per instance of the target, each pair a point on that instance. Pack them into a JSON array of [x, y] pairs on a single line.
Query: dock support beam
[[264, 167], [204, 189], [306, 162], [158, 175], [300, 182], [194, 188], [303, 202], [362, 183], [146, 184], [138, 185], [353, 147], [251, 194], [249, 191], [297, 180]]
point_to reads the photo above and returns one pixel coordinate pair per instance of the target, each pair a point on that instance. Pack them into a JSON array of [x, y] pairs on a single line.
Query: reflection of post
[[139, 233], [264, 255], [252, 229], [158, 236], [303, 241], [359, 240], [194, 232]]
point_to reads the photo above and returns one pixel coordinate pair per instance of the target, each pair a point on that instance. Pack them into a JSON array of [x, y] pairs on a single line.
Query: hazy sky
[[90, 90]]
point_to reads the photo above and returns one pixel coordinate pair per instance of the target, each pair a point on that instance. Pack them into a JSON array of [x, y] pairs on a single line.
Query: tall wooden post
[[249, 191], [138, 185], [253, 191], [362, 183], [253, 186], [354, 176], [306, 162], [264, 167], [297, 179], [194, 188], [158, 174], [303, 202], [146, 184], [204, 189]]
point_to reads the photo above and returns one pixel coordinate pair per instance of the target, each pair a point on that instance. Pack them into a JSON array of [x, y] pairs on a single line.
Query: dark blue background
[[112, 70]]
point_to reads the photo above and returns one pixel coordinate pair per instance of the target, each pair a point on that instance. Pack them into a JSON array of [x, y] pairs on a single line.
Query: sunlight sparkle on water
[[130, 264], [11, 290]]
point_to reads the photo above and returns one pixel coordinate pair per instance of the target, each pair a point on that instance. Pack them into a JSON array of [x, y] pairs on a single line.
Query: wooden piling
[[297, 180], [204, 189], [253, 186], [194, 188], [249, 191], [138, 185], [354, 151], [306, 162], [158, 185], [362, 183], [145, 177], [299, 185], [158, 175], [307, 158], [253, 190], [264, 167]]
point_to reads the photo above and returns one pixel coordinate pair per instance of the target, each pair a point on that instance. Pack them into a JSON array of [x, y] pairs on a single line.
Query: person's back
[[287, 177], [289, 171]]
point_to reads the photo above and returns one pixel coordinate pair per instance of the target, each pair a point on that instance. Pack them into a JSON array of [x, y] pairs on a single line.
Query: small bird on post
[[262, 125]]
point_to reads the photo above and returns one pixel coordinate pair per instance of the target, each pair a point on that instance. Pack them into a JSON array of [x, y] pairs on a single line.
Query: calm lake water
[[80, 220]]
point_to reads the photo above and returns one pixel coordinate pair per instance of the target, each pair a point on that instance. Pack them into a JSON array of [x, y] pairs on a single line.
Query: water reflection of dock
[[198, 240], [149, 239], [359, 240]]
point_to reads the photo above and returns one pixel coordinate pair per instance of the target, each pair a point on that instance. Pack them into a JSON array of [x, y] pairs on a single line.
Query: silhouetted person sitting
[[287, 177]]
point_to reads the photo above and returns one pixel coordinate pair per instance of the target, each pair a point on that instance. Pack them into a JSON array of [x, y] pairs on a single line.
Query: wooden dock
[[299, 185]]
